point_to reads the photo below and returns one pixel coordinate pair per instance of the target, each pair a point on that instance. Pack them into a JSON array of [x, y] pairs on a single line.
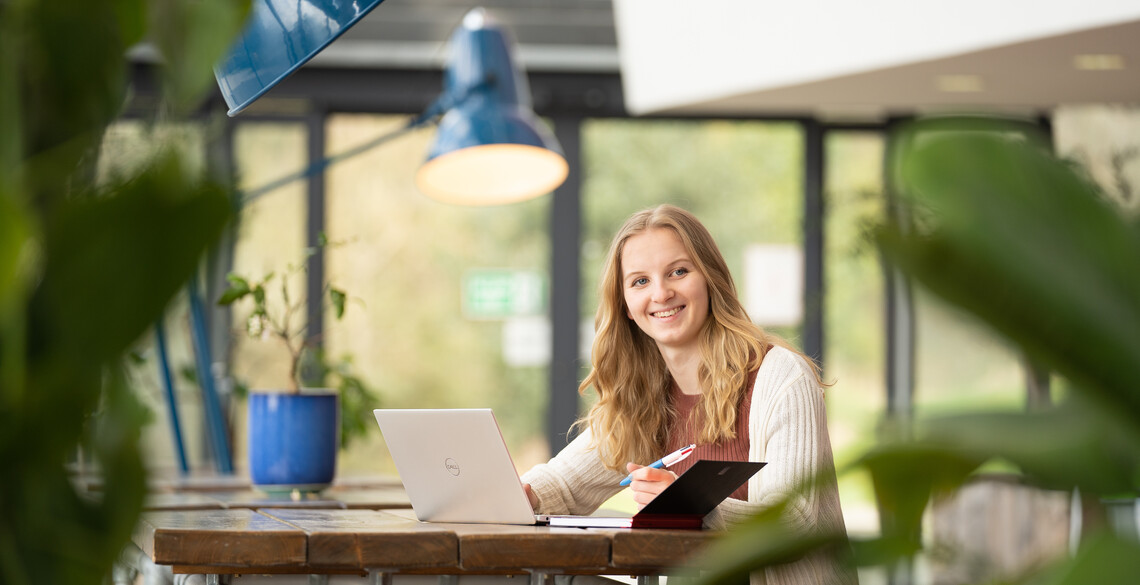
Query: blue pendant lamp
[[490, 148], [279, 37]]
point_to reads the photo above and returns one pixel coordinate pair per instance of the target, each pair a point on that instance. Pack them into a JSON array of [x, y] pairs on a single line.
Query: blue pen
[[665, 461]]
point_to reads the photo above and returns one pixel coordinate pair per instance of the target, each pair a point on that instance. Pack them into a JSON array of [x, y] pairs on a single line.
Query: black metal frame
[[565, 285]]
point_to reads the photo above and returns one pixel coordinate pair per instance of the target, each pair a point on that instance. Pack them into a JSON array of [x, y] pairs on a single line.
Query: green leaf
[[237, 280], [17, 249], [189, 373], [357, 402], [905, 475], [73, 71], [105, 265], [11, 124], [1103, 560], [192, 36], [111, 264], [240, 389], [132, 18], [1071, 446], [18, 259], [116, 442], [758, 542], [883, 551], [104, 285], [337, 297], [1013, 235], [238, 289], [1075, 444]]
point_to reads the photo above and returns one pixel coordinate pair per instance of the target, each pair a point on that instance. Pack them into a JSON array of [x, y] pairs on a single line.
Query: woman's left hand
[[648, 482], [530, 495]]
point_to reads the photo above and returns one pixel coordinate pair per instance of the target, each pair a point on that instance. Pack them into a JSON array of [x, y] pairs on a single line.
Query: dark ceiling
[[574, 35]]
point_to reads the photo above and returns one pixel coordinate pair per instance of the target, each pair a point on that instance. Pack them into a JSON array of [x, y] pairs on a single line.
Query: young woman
[[676, 360]]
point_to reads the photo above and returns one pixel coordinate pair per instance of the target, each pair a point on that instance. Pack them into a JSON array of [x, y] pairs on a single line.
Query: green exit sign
[[500, 294]]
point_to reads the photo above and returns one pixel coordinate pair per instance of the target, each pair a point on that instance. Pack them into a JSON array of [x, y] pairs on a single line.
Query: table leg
[[684, 578], [315, 579], [538, 577], [138, 566], [648, 580], [380, 577], [449, 580], [122, 574], [197, 579]]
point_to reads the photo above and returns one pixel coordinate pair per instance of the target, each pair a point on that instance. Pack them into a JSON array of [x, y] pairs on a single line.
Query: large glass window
[[743, 180], [270, 238], [853, 312], [961, 365], [418, 327], [1105, 141]]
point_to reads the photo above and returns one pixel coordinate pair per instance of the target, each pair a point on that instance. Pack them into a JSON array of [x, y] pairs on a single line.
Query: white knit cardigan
[[787, 427]]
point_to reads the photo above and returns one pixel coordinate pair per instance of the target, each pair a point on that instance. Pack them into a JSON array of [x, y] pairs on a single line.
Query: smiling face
[[664, 293]]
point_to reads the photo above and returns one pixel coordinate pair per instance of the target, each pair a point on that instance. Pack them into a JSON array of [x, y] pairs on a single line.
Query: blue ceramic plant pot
[[293, 440]]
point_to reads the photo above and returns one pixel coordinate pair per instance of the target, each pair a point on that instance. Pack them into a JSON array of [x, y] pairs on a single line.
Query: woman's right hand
[[648, 482]]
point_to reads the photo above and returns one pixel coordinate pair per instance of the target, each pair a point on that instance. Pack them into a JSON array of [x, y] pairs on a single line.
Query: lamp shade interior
[[492, 174]]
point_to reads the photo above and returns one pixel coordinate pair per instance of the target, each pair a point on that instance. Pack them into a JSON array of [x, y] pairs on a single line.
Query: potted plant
[[294, 433]]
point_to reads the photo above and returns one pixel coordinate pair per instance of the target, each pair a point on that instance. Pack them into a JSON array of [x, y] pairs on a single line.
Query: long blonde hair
[[631, 419]]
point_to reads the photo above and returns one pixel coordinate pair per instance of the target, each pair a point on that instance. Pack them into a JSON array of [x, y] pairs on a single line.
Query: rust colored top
[[684, 433]]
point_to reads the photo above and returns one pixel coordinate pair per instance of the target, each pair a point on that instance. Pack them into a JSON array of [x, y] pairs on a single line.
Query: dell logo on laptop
[[451, 466]]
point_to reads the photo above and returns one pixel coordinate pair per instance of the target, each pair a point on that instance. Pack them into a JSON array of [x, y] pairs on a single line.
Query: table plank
[[199, 482], [170, 481], [503, 547], [180, 501], [254, 500], [392, 497], [241, 538], [656, 548], [365, 482], [369, 539], [497, 546]]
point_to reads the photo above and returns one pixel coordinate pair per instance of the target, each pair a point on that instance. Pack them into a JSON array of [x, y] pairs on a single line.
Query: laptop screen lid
[[455, 465]]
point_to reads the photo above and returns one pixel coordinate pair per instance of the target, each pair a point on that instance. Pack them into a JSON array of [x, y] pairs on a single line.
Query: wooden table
[[380, 543], [380, 498], [168, 482]]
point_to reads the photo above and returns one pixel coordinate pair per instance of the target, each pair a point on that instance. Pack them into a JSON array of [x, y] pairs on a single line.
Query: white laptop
[[455, 465]]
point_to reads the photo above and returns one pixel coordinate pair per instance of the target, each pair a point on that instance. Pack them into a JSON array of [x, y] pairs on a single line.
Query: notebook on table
[[456, 468]]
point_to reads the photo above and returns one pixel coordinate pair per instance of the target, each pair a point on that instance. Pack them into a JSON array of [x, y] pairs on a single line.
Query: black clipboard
[[684, 504]]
